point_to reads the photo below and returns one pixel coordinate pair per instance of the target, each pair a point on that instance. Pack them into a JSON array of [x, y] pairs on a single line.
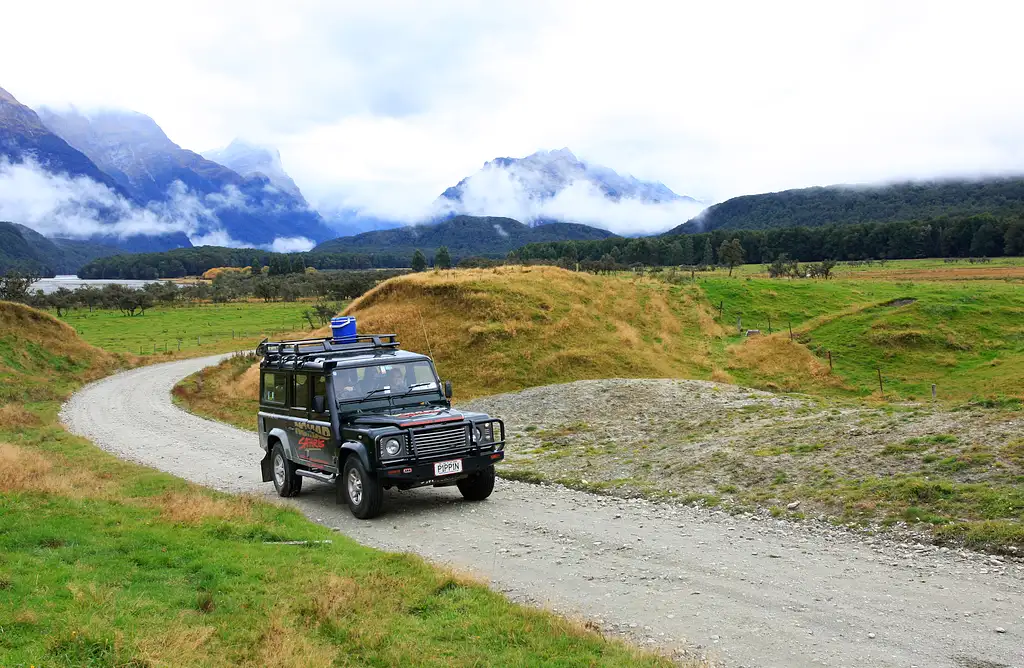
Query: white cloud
[[292, 244], [380, 106], [57, 205]]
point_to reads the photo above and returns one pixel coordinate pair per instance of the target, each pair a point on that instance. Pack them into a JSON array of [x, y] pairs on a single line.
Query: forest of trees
[[982, 235], [847, 205]]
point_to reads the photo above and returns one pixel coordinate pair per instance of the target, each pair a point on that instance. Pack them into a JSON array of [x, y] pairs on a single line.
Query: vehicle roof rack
[[286, 351]]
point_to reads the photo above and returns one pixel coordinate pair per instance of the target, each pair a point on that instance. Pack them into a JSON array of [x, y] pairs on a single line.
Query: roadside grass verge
[[103, 562]]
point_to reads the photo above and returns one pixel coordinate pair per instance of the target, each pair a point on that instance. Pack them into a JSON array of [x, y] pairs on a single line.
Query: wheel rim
[[355, 487], [279, 470]]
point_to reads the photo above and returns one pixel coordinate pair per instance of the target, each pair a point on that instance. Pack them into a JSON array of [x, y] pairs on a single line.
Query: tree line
[[982, 235], [196, 261], [326, 288]]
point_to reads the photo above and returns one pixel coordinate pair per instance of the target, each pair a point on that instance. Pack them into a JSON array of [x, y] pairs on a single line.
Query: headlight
[[484, 433], [392, 447]]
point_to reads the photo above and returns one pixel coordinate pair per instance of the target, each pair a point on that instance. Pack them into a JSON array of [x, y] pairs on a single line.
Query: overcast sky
[[385, 104]]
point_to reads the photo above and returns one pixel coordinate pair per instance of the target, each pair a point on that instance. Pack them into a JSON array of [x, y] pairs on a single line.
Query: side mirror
[[318, 404], [448, 389]]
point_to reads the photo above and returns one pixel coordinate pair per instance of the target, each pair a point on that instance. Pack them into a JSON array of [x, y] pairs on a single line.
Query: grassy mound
[[41, 357], [499, 330], [105, 563]]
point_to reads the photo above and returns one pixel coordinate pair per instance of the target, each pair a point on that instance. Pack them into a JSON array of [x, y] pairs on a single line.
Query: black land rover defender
[[367, 416]]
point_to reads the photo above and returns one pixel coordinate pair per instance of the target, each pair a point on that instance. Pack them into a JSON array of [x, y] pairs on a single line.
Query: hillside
[[812, 207], [23, 135], [464, 236], [25, 250], [506, 329]]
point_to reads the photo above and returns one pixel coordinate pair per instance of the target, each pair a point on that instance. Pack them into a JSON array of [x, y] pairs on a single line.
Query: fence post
[[199, 340], [721, 309], [769, 324], [739, 324], [830, 360], [881, 390], [933, 391]]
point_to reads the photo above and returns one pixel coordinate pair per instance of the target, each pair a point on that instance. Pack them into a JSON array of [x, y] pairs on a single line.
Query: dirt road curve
[[747, 591]]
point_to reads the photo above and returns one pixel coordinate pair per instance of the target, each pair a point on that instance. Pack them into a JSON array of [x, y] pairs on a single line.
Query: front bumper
[[415, 474]]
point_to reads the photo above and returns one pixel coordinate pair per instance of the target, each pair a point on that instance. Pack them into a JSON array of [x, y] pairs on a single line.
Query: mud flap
[[267, 468]]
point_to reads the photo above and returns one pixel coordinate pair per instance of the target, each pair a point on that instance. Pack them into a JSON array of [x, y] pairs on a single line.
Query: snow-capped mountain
[[556, 185], [213, 203], [249, 160]]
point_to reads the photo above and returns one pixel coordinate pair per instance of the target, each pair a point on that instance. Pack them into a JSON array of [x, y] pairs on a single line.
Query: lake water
[[48, 285]]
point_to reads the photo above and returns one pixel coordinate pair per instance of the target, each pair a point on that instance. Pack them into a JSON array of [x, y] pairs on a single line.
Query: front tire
[[362, 492], [479, 486], [286, 481]]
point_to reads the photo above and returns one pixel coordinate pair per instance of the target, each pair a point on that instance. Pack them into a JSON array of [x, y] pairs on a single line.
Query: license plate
[[448, 468]]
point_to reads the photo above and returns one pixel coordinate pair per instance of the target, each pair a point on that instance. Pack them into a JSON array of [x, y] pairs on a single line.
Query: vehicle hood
[[414, 418]]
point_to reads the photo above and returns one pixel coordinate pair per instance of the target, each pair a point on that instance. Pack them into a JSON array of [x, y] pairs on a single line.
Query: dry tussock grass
[[22, 470], [177, 646], [284, 646], [789, 364], [15, 416], [195, 506], [498, 330]]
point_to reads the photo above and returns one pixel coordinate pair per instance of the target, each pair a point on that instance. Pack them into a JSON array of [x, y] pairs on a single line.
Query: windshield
[[384, 380]]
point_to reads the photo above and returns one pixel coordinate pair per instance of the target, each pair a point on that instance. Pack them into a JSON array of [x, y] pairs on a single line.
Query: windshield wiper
[[413, 387]]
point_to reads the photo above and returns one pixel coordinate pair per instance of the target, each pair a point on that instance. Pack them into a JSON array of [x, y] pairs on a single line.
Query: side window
[[300, 391], [274, 387], [320, 387]]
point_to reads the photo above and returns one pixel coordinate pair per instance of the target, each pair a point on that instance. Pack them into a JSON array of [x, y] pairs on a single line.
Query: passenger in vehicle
[[348, 384]]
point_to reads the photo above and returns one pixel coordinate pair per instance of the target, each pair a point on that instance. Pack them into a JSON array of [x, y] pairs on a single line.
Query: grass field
[[495, 331], [966, 337], [106, 563], [197, 327]]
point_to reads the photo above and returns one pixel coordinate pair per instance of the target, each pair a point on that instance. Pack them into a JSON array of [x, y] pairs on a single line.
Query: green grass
[[967, 338], [107, 563], [198, 326]]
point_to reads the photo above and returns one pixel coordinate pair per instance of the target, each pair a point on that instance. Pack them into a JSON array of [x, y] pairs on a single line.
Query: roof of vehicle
[[327, 353]]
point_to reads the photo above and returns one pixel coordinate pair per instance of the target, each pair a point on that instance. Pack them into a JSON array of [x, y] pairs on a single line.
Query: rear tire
[[479, 486], [362, 491], [286, 481]]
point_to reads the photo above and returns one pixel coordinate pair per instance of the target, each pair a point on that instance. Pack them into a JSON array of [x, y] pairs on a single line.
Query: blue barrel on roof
[[343, 329]]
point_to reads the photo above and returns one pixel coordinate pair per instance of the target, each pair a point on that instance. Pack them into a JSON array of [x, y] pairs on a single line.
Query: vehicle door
[[311, 438], [274, 403], [320, 416]]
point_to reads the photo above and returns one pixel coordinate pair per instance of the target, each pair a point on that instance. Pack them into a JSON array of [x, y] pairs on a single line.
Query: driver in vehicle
[[396, 379]]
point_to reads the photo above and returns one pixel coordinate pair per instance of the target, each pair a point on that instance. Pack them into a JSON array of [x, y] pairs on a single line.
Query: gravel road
[[743, 591]]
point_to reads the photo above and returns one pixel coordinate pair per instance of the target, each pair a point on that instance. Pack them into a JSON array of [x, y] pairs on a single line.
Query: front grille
[[443, 441]]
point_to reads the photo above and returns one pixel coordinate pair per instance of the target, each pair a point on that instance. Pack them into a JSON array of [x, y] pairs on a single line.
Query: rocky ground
[[741, 448]]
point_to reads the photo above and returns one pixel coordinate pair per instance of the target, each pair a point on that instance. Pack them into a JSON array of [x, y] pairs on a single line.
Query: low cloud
[[498, 192], [58, 205], [292, 245]]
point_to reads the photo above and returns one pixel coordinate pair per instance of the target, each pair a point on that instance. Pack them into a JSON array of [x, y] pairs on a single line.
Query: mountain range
[[463, 235], [556, 185], [843, 205], [25, 250]]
